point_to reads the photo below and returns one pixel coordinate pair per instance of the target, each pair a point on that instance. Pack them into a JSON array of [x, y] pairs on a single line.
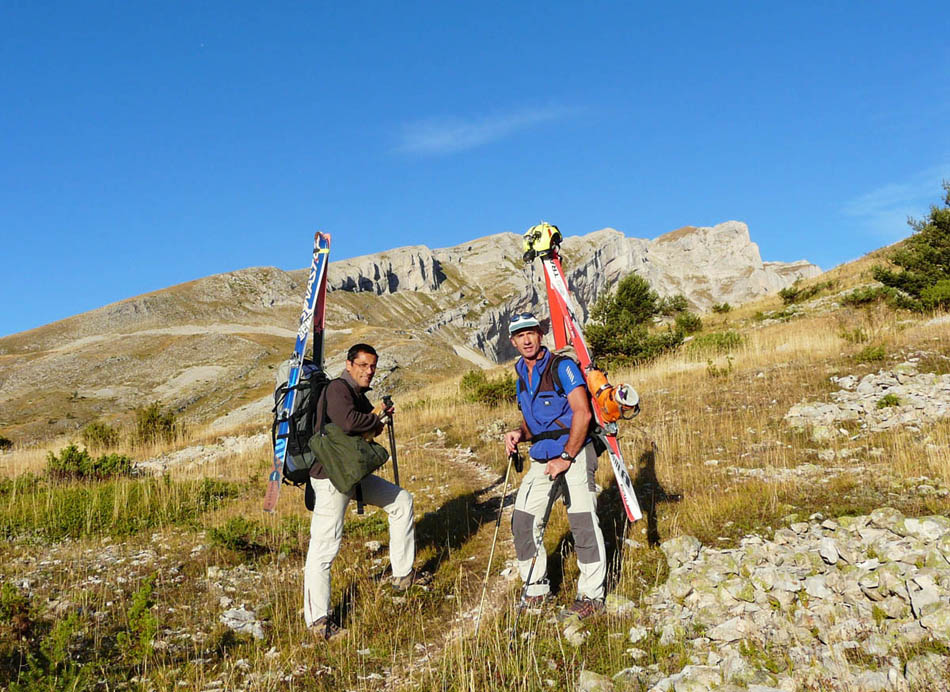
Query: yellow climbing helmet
[[539, 240]]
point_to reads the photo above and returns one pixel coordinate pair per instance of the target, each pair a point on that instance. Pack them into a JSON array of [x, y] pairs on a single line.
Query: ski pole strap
[[562, 490]]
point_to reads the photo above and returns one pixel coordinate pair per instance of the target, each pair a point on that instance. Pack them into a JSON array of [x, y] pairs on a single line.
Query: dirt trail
[[489, 487]]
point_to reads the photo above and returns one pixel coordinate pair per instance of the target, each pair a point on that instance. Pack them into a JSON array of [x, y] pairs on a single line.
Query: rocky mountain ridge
[[708, 265], [207, 348]]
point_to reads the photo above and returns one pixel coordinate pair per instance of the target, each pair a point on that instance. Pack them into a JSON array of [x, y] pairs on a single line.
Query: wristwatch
[[565, 455]]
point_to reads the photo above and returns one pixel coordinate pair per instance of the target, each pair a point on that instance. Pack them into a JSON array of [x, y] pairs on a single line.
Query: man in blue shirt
[[556, 419]]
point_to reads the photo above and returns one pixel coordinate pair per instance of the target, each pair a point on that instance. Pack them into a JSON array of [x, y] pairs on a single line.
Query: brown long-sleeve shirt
[[352, 412]]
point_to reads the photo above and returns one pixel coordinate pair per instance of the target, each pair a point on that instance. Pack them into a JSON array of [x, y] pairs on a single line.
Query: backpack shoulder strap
[[322, 405], [554, 374]]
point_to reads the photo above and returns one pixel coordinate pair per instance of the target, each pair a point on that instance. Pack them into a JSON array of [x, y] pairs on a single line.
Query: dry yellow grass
[[710, 455]]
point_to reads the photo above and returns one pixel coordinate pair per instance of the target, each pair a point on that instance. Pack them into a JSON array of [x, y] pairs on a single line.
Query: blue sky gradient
[[145, 144]]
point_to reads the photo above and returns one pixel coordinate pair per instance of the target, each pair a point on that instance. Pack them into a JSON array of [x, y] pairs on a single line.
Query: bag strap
[[322, 401]]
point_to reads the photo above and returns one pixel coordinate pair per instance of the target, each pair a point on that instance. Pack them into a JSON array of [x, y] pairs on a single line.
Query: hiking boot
[[581, 609], [538, 601], [414, 578], [327, 630]]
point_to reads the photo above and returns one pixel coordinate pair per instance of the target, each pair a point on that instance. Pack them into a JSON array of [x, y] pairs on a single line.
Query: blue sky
[[144, 144]]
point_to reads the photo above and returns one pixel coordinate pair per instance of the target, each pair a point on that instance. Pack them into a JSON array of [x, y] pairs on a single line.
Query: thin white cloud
[[885, 210], [437, 136]]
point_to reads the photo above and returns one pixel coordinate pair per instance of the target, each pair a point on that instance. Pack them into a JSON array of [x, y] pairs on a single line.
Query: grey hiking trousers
[[526, 519]]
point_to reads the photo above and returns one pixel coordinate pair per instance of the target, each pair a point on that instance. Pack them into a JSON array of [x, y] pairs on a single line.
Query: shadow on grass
[[444, 530], [651, 493], [614, 523]]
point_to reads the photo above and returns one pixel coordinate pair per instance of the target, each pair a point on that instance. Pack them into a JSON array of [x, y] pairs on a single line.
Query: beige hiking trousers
[[326, 534]]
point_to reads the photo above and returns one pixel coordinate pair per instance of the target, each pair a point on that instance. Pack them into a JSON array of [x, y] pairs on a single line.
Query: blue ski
[[313, 312]]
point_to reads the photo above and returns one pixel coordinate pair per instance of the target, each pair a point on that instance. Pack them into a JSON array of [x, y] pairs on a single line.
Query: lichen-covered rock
[[681, 550], [735, 608], [588, 681]]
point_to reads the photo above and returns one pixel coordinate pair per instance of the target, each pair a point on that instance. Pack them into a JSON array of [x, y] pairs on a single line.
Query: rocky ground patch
[[900, 397]]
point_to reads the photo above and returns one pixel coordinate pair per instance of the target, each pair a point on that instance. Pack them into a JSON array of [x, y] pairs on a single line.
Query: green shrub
[[688, 323], [73, 463], [868, 295], [99, 435], [50, 666], [923, 260], [6, 444], [619, 328], [936, 296], [472, 380], [477, 388], [136, 641], [671, 305], [870, 354], [888, 400], [14, 608], [153, 424], [796, 293], [240, 535], [718, 342], [721, 308]]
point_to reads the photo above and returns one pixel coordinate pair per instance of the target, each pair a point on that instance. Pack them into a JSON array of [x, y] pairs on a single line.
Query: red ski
[[543, 241]]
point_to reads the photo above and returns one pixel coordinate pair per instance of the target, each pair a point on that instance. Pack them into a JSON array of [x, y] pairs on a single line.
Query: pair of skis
[[313, 312], [567, 330]]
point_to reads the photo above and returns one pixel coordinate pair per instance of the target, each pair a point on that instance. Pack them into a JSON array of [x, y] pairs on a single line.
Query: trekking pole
[[501, 508], [558, 488], [388, 402]]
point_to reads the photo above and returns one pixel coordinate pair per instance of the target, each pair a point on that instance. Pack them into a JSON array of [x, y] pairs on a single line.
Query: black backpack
[[309, 387]]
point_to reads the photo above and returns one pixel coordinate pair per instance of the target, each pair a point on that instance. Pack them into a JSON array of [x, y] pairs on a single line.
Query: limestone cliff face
[[412, 268], [487, 281]]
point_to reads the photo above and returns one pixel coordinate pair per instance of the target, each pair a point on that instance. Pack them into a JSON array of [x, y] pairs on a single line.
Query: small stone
[[574, 632], [828, 551], [637, 634], [938, 622], [730, 631], [876, 645], [871, 681], [681, 550], [619, 605], [589, 681], [817, 588], [927, 671]]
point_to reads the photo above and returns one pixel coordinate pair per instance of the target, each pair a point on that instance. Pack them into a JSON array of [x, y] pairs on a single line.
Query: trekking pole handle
[[388, 403], [516, 460]]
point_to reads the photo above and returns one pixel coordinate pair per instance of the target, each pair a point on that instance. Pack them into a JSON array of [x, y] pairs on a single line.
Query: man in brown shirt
[[348, 407]]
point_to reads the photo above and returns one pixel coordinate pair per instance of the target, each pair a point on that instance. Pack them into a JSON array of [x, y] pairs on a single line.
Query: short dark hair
[[357, 349]]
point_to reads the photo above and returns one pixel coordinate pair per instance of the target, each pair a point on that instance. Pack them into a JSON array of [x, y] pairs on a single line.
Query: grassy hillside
[[123, 583]]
